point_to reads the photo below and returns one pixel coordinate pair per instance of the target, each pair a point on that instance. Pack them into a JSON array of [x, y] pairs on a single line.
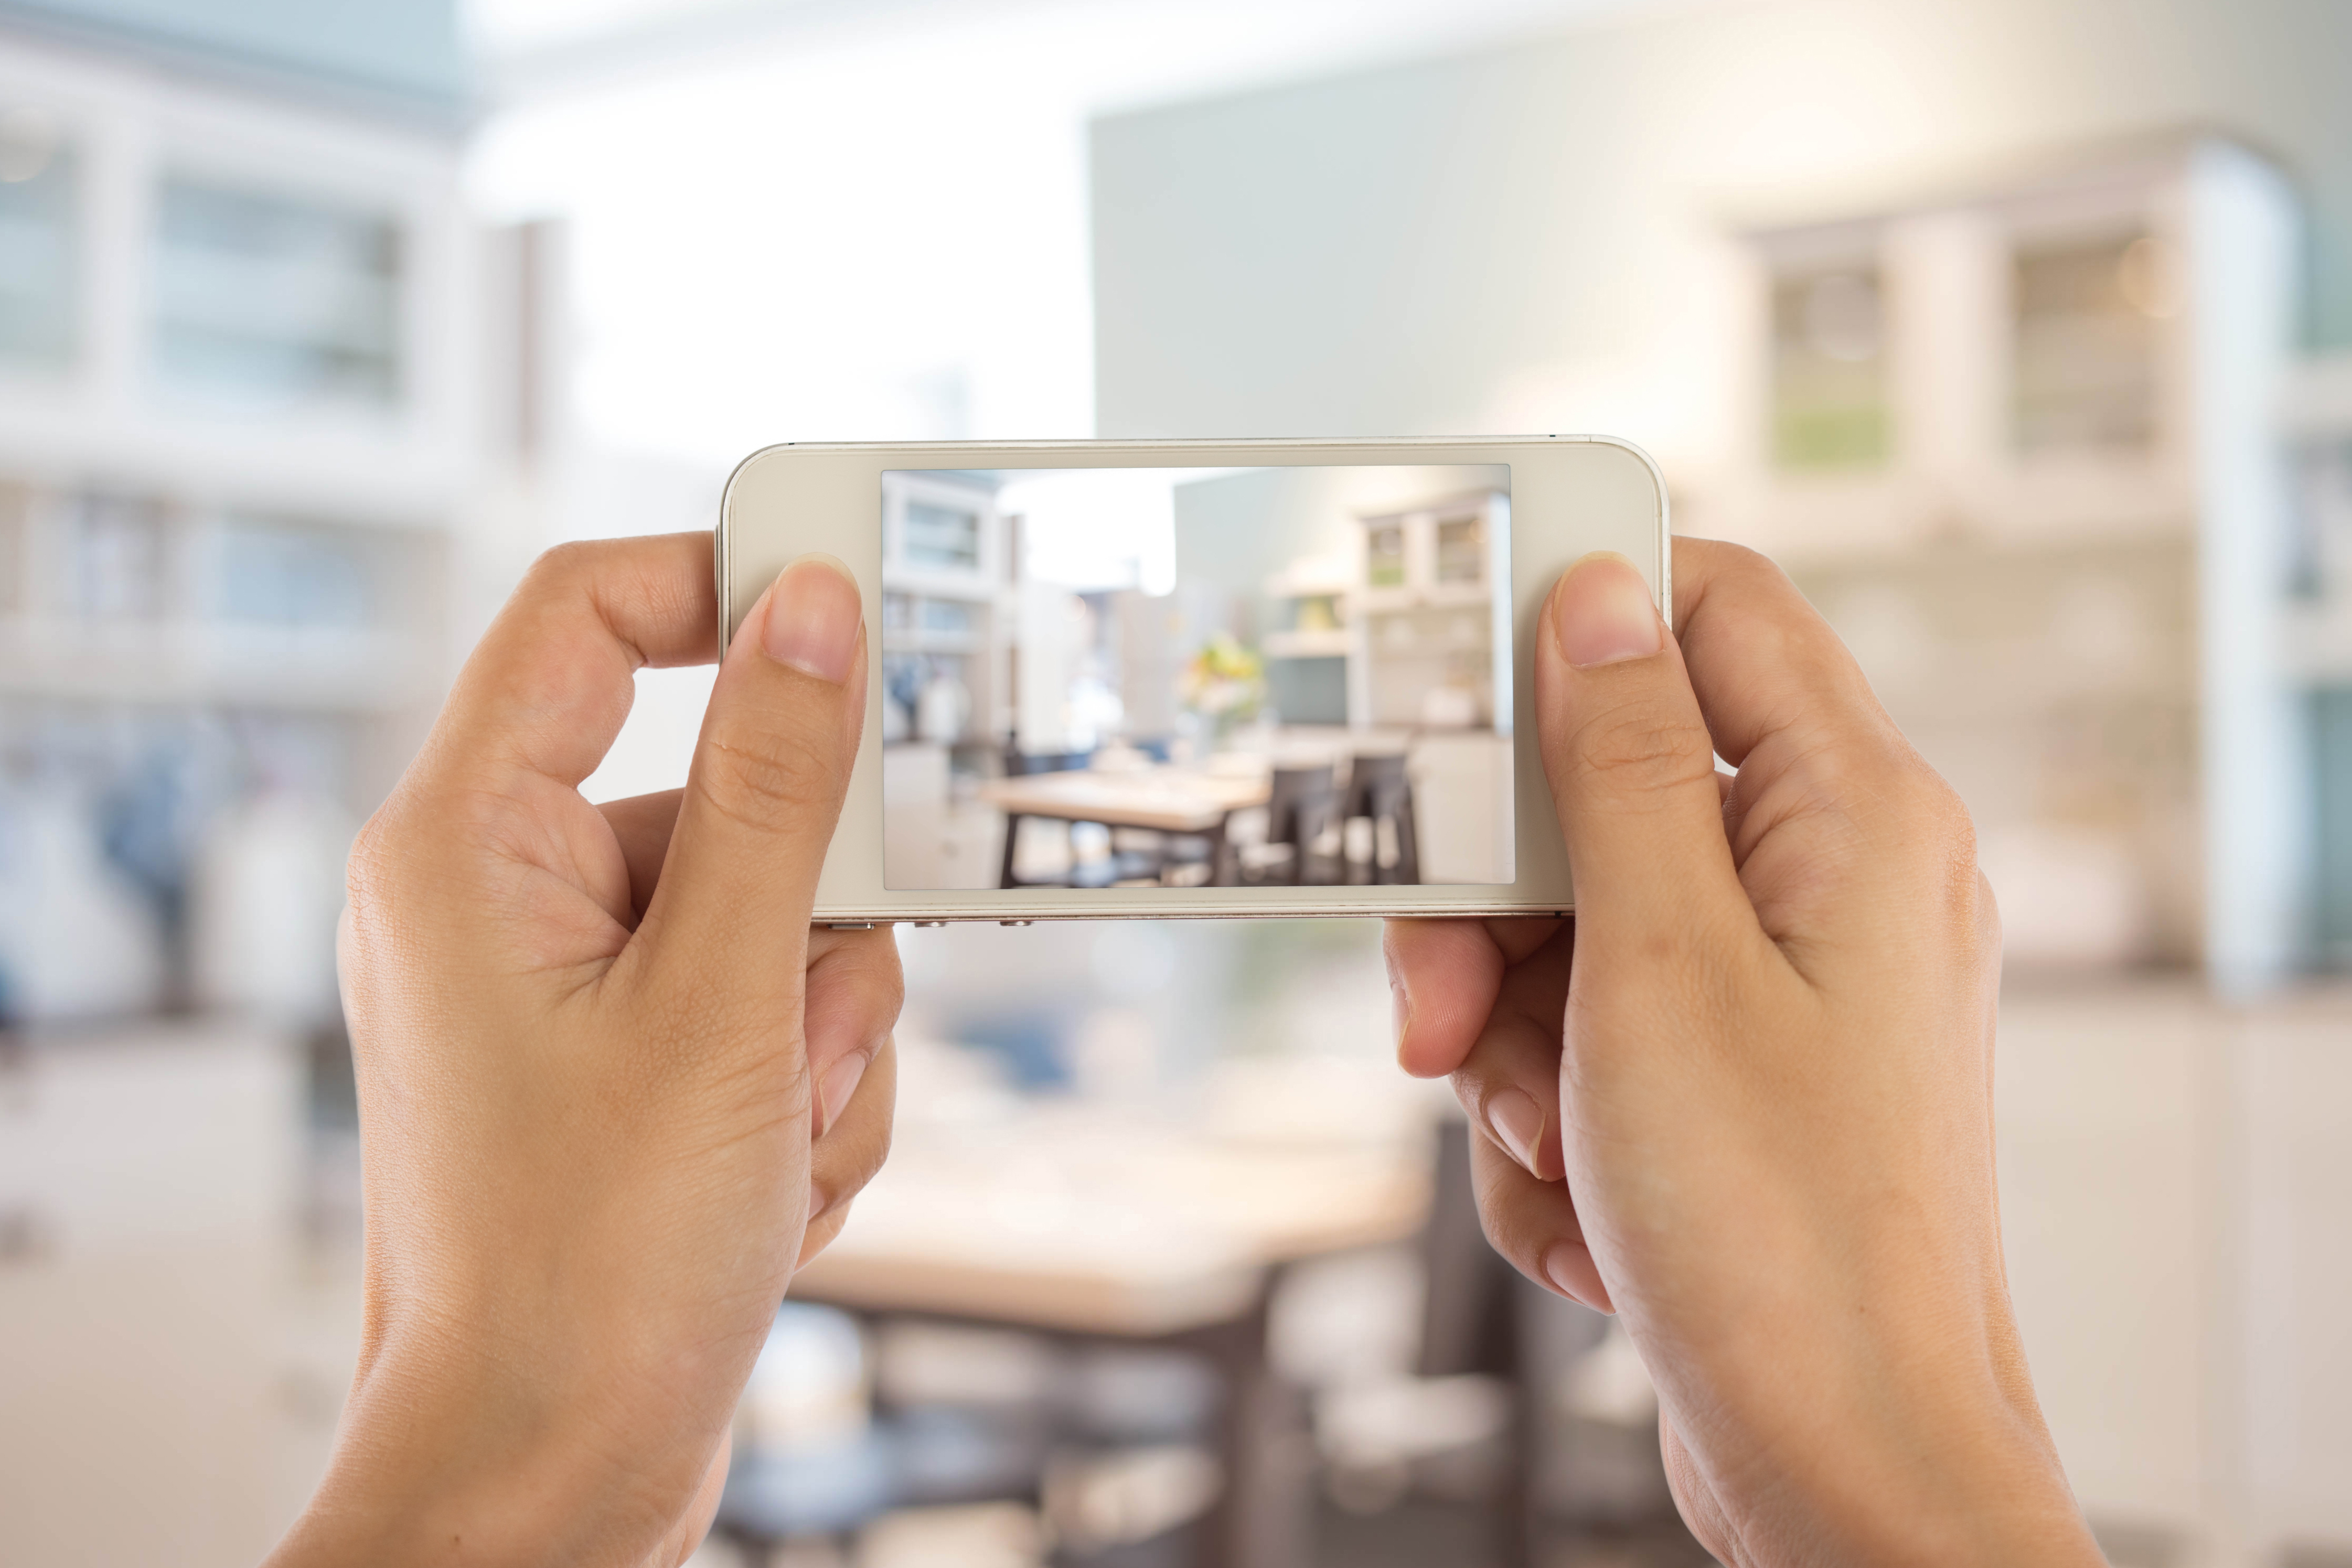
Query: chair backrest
[[1376, 783], [1466, 1320], [1020, 764], [1295, 792]]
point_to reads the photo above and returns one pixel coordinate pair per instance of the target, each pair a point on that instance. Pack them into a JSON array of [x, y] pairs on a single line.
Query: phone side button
[[1016, 923], [929, 925], [850, 925]]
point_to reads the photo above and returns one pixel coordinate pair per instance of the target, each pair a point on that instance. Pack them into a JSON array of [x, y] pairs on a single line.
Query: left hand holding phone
[[612, 1088]]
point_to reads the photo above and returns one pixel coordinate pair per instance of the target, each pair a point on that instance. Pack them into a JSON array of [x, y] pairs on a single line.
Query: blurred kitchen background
[[2020, 330]]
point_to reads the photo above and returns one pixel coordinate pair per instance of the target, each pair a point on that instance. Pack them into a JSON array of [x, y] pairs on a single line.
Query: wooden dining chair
[[1301, 811], [1379, 789]]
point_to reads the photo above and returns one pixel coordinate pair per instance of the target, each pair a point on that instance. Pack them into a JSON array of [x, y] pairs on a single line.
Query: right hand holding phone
[[1743, 1099]]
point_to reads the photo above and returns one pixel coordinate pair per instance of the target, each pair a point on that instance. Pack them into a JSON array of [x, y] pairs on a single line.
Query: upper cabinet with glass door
[[1830, 394], [940, 537], [1438, 554], [2014, 363], [39, 305], [275, 302], [2086, 342], [237, 295]]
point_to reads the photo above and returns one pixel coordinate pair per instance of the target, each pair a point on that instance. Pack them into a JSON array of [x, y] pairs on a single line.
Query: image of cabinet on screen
[[1187, 677]]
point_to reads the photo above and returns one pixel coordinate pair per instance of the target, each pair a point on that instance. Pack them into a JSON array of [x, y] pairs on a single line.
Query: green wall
[[1381, 253]]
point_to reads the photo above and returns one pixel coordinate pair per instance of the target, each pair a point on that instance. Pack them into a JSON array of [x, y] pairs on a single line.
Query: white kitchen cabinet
[[156, 1135], [2066, 378], [1427, 627], [1462, 806], [946, 611], [2175, 1175], [159, 1406]]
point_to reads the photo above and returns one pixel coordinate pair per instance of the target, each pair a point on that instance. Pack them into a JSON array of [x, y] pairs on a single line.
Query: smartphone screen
[[1196, 677]]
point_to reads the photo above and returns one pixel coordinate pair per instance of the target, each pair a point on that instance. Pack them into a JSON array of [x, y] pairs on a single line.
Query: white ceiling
[[1128, 51]]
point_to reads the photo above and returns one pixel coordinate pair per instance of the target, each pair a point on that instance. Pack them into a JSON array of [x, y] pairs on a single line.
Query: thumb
[[728, 919], [1629, 761]]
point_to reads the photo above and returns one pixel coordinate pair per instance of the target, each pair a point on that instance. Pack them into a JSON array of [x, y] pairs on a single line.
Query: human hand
[[1753, 1114], [612, 1088]]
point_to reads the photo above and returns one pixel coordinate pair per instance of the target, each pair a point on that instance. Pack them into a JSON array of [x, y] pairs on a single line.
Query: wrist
[[1982, 1487], [1948, 1465], [489, 1468], [1894, 1437]]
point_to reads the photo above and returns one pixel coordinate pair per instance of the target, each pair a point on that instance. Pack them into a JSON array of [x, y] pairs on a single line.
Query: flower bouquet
[[1224, 683]]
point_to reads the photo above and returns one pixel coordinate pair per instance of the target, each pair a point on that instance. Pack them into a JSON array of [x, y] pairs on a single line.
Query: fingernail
[[1519, 1125], [833, 1095], [813, 617], [1602, 612], [818, 1202], [1568, 1266]]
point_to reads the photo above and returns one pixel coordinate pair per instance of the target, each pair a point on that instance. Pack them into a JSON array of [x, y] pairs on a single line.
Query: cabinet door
[[142, 1335], [1462, 549], [159, 1139], [937, 537], [1462, 808], [1384, 553]]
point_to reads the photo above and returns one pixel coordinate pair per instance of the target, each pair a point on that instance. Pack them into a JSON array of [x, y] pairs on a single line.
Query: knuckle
[[1470, 1089], [882, 978], [771, 780], [1509, 1229], [561, 564], [826, 1226], [1932, 813], [744, 1075], [1988, 912], [1937, 838], [1726, 557], [874, 1155], [1637, 752], [371, 869], [1724, 561]]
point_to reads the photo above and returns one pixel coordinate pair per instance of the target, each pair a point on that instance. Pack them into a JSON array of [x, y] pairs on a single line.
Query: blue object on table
[[810, 1492]]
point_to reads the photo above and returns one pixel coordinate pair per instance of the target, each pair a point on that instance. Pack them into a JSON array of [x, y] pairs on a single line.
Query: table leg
[[1264, 1513], [1220, 873], [1012, 837]]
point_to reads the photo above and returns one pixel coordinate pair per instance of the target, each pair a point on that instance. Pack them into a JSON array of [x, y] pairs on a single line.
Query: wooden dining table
[[1106, 1229], [1167, 799]]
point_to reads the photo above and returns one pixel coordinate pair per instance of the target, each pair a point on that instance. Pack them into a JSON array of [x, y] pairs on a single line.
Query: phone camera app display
[[1196, 677]]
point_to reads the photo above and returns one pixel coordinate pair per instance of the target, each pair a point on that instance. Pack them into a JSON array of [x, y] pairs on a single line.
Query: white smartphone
[[1178, 678]]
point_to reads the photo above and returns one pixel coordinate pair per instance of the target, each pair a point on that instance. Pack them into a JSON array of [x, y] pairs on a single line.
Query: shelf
[[1309, 584], [1890, 518], [918, 640], [969, 587], [1332, 643], [1403, 600], [385, 470], [330, 668]]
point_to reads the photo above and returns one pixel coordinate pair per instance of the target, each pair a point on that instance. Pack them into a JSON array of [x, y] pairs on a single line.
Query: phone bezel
[[1570, 495]]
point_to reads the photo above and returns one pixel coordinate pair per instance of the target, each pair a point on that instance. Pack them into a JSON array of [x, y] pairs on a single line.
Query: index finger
[[1446, 974], [1826, 779], [1764, 665], [547, 688]]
